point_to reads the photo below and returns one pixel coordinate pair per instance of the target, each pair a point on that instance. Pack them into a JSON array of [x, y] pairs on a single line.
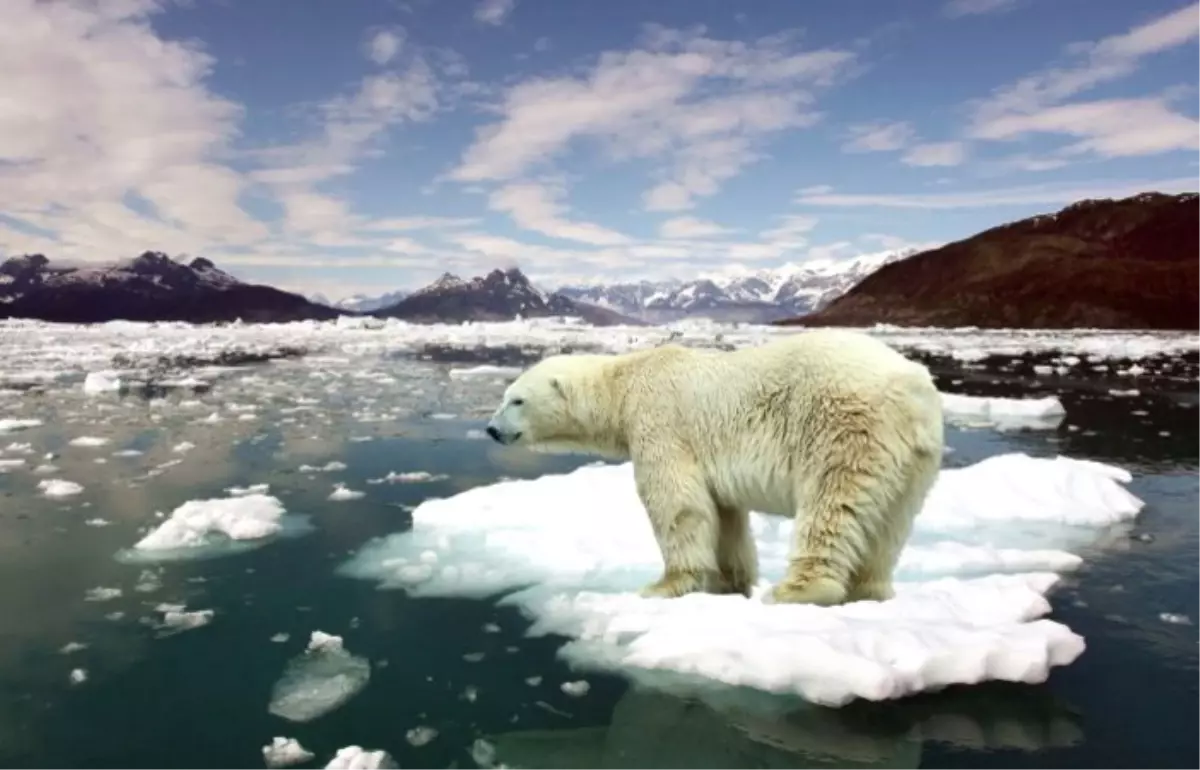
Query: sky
[[364, 146]]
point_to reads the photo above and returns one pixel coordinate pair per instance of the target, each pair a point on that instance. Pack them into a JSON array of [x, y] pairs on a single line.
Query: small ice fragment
[[576, 689], [12, 425], [127, 453], [420, 735], [1171, 617], [280, 638], [491, 628], [473, 657], [71, 647], [97, 522], [183, 446], [342, 492], [101, 382], [8, 463], [148, 581], [117, 615], [282, 752], [59, 488], [88, 441], [318, 680], [253, 489], [177, 620], [101, 594], [483, 752], [78, 675], [356, 758], [533, 681]]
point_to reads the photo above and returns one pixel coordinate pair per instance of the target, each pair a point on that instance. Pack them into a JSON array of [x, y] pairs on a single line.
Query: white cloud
[[538, 207], [878, 137], [1039, 195], [494, 11], [1109, 59], [935, 154], [791, 232], [700, 104], [99, 111], [399, 224], [383, 45], [686, 228], [957, 8]]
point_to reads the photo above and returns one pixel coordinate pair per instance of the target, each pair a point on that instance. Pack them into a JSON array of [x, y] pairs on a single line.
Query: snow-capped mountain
[[499, 295], [363, 303], [752, 296], [149, 287]]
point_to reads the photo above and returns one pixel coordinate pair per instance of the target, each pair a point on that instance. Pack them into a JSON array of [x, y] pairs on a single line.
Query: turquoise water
[[199, 698]]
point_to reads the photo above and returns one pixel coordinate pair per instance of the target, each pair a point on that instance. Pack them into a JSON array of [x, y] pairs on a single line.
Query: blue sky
[[368, 145]]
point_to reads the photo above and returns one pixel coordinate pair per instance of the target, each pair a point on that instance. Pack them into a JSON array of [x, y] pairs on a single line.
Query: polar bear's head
[[557, 405]]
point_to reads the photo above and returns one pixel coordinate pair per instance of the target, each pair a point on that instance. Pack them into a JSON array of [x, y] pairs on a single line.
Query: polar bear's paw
[[823, 592], [675, 584]]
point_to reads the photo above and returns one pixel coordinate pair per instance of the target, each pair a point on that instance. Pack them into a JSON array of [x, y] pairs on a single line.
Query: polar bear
[[831, 427]]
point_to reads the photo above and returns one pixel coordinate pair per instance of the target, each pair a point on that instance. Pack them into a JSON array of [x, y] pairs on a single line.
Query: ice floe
[[1003, 413], [318, 680], [284, 752], [971, 587], [358, 758], [59, 488], [215, 527]]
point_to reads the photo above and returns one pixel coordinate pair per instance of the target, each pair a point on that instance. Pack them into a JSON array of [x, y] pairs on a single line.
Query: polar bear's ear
[[558, 388]]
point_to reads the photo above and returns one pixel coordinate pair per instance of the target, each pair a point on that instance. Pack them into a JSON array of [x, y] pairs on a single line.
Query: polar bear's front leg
[[684, 519]]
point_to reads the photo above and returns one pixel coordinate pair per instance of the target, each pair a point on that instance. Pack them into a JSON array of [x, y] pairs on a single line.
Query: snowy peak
[[740, 294], [498, 295]]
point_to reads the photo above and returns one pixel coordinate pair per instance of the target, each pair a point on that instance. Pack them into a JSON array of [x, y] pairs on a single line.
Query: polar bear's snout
[[501, 436], [503, 428]]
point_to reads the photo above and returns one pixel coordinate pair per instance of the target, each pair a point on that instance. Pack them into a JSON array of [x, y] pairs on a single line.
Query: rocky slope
[[1118, 264], [748, 296], [500, 295], [151, 287]]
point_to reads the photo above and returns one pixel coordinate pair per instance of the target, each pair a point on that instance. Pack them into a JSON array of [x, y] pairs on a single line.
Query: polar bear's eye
[[518, 401]]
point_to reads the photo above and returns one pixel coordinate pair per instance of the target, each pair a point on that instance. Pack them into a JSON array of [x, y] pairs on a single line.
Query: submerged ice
[[971, 586], [318, 680]]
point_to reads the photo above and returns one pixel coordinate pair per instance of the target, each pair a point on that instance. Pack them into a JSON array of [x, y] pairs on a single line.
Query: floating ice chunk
[[78, 675], [253, 489], [217, 526], [176, 619], [484, 370], [72, 647], [88, 441], [319, 680], [1174, 618], [12, 425], [283, 752], [341, 492], [8, 463], [1004, 413], [576, 689], [356, 758], [97, 522], [101, 594], [329, 467], [101, 382], [183, 446], [59, 488], [420, 735], [579, 545], [408, 477]]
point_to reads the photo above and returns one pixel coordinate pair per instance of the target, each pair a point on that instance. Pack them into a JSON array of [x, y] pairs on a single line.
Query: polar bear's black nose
[[495, 434]]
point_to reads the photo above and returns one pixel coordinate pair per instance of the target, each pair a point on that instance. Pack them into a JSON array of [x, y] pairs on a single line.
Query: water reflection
[[653, 729]]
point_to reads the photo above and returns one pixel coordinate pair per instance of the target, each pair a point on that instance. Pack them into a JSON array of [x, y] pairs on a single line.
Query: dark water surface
[[199, 698]]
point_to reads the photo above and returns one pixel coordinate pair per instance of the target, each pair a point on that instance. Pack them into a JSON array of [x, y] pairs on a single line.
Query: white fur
[[832, 427]]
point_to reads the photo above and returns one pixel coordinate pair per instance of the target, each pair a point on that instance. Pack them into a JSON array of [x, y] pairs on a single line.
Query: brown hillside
[[1118, 264]]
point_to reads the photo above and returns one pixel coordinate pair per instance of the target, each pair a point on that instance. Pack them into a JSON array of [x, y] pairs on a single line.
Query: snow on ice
[[1003, 413], [971, 586], [216, 527]]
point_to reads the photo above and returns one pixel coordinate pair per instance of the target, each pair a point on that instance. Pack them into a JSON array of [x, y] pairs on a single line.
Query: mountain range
[[498, 296], [756, 296], [149, 287]]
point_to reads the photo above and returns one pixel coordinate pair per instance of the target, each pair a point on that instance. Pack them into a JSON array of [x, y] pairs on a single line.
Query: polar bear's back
[[756, 417]]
